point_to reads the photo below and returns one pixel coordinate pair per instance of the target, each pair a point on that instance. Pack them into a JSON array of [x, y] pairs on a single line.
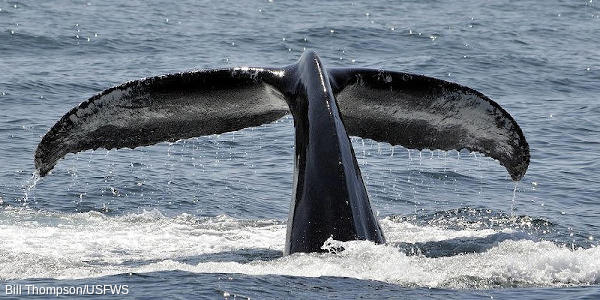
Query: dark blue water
[[206, 216]]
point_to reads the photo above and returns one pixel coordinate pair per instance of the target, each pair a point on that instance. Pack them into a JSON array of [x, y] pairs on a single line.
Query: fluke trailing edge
[[328, 105]]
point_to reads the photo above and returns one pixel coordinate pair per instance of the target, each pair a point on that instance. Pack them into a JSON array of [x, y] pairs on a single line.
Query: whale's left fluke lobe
[[166, 108]]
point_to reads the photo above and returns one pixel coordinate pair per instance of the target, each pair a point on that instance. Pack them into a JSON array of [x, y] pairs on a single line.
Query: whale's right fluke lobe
[[166, 108], [420, 112]]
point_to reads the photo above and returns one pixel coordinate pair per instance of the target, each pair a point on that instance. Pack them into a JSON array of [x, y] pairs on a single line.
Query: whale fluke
[[420, 112], [329, 198], [165, 108], [414, 111]]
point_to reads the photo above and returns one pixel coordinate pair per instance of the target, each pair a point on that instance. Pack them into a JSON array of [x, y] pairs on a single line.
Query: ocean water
[[206, 216]]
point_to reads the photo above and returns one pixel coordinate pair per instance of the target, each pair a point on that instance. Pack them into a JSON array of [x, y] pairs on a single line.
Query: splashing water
[[514, 197], [91, 245], [30, 185]]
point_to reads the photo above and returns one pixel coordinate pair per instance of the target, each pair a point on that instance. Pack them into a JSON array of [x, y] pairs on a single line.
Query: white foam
[[410, 233], [520, 263], [85, 245], [43, 244]]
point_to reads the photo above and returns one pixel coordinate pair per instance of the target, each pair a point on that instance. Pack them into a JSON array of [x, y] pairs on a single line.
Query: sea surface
[[206, 216]]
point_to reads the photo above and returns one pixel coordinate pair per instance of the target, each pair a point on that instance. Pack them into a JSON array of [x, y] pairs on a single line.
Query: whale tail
[[402, 109]]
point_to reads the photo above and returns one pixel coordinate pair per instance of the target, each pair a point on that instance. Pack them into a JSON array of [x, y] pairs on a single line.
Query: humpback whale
[[328, 105]]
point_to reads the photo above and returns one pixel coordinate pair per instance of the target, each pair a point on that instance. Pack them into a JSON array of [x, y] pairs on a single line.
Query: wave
[[20, 41], [42, 244], [17, 41]]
